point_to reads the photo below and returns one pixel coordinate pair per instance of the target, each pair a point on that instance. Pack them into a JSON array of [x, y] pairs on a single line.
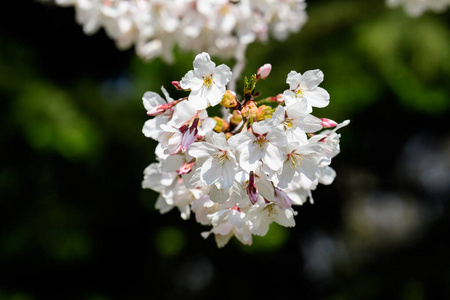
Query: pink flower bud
[[327, 123], [160, 109], [186, 168], [251, 189], [177, 85], [189, 136], [264, 71], [280, 98], [282, 199]]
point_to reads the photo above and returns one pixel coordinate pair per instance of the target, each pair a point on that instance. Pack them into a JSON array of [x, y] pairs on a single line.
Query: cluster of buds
[[217, 26], [242, 171]]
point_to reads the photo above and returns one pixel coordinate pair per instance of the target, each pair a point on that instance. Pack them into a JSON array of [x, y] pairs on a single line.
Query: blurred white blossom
[[416, 8], [154, 27]]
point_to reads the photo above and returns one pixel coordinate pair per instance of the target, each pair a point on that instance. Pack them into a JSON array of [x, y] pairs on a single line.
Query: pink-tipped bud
[[229, 100], [161, 108], [221, 125], [264, 112], [264, 71], [282, 199], [250, 110], [186, 168], [177, 86], [280, 98], [327, 123], [236, 208], [251, 189], [189, 136], [236, 118]]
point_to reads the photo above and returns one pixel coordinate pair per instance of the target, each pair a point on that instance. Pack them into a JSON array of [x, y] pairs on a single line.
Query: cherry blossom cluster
[[242, 171], [216, 26], [416, 8]]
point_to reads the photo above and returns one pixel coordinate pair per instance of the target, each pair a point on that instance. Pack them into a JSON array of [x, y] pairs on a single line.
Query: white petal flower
[[306, 88], [220, 165], [206, 82], [264, 145], [300, 159], [158, 107], [221, 27], [262, 215], [416, 8], [247, 173]]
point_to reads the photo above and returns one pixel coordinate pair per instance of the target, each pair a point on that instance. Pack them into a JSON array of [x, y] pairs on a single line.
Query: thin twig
[[238, 67]]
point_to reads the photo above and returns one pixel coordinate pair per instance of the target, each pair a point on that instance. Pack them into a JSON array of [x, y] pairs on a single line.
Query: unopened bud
[[279, 98], [177, 86], [249, 110], [264, 112], [249, 85], [236, 118], [186, 168], [252, 190], [221, 125], [189, 135], [162, 108], [263, 71], [327, 123], [229, 100]]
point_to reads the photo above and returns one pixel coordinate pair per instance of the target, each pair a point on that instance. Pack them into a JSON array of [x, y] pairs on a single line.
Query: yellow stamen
[[207, 81], [220, 158], [300, 92], [289, 123], [261, 141]]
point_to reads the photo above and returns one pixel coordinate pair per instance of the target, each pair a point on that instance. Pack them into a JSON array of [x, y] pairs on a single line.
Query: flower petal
[[312, 78], [318, 97], [210, 172], [215, 94], [273, 157], [222, 75], [191, 81], [203, 66], [151, 99], [197, 99], [293, 79]]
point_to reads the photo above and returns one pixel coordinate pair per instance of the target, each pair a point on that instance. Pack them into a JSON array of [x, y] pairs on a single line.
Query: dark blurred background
[[75, 223]]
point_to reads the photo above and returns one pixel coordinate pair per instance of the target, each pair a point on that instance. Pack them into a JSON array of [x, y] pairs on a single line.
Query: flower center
[[271, 212], [289, 123], [224, 9], [207, 81], [300, 92], [219, 158], [295, 159], [261, 140]]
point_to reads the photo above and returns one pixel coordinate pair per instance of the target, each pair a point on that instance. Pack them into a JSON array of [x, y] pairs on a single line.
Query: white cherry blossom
[[416, 8], [264, 144], [263, 214], [206, 82], [239, 176], [305, 88], [156, 106], [220, 27], [220, 165]]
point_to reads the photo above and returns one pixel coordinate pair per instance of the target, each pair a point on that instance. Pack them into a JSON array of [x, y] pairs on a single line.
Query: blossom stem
[[238, 67], [267, 100]]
